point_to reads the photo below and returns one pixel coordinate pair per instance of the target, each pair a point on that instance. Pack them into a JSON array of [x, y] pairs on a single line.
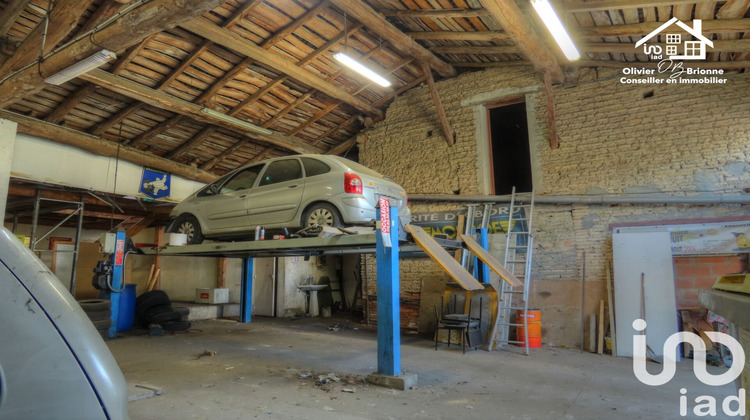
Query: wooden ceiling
[[269, 62]]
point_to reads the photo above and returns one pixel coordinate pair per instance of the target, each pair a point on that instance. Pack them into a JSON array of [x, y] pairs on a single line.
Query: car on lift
[[287, 192], [53, 362]]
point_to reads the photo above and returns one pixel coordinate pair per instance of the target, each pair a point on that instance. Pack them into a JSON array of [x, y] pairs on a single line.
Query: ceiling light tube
[[361, 69], [236, 121], [554, 25], [81, 67]]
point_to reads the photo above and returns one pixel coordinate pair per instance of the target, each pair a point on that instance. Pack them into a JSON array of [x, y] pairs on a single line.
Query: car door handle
[[294, 186], [243, 196]]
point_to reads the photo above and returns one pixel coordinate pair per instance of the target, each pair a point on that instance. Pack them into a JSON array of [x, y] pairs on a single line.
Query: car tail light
[[352, 184]]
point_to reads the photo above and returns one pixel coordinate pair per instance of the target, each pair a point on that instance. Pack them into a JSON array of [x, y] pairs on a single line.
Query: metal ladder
[[519, 249]]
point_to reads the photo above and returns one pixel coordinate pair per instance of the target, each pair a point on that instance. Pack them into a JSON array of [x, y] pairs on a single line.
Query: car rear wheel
[[189, 225], [322, 214]]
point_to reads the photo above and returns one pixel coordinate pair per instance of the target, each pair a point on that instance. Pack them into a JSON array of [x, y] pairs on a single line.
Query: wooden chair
[[464, 323]]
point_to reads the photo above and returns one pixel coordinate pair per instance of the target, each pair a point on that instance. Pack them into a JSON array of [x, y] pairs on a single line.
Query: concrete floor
[[259, 371]]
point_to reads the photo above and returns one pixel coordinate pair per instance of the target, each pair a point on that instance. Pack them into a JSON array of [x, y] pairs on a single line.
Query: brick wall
[[700, 273], [682, 140]]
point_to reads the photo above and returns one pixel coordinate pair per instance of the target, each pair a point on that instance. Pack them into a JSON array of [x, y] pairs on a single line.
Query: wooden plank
[[588, 6], [491, 261], [611, 309], [460, 226], [488, 36], [600, 330], [448, 133], [12, 11], [437, 13], [592, 333], [444, 260], [517, 25]]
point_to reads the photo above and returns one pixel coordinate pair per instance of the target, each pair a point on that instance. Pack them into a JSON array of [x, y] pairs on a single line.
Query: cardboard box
[[211, 296]]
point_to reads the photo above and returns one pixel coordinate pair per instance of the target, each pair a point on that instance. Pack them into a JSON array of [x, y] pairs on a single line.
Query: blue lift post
[[246, 292], [389, 319], [481, 270], [118, 258]]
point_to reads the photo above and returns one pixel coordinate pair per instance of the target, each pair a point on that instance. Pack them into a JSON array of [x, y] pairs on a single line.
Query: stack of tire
[[98, 311], [154, 308]]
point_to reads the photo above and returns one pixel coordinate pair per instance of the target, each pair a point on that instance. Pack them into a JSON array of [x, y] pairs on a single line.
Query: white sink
[[312, 287]]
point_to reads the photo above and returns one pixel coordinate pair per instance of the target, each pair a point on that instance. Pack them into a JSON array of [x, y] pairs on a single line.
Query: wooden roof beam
[[513, 21], [131, 29], [725, 45], [97, 146], [488, 36], [64, 16], [602, 5], [171, 103], [231, 40], [448, 133], [639, 29], [11, 13], [402, 42], [437, 13]]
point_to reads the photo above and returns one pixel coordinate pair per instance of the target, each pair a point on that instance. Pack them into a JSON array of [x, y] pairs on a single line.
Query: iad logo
[[705, 404], [691, 50]]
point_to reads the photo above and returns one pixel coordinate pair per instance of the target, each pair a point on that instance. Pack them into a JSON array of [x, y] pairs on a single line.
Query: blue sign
[[155, 184]]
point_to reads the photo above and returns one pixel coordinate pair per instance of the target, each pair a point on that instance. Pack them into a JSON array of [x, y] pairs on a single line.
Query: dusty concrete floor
[[258, 371]]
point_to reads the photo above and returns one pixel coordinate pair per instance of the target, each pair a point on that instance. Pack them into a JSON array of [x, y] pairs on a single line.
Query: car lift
[[385, 245]]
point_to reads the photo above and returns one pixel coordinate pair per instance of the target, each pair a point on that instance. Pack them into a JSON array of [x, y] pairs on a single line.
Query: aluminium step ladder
[[518, 256]]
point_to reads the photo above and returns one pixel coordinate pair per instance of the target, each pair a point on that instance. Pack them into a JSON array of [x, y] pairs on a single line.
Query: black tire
[[95, 305], [99, 315], [188, 225], [149, 300], [322, 214], [103, 324], [165, 317], [184, 311], [176, 326], [156, 310]]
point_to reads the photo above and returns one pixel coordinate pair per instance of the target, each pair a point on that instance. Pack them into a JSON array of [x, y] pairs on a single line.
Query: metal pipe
[[585, 199]]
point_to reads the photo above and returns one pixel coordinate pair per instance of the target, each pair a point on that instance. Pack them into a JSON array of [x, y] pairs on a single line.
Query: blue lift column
[[246, 290], [481, 270], [389, 321], [118, 258]]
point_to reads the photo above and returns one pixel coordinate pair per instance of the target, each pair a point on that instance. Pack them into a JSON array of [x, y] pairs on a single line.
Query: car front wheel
[[189, 225], [322, 214]]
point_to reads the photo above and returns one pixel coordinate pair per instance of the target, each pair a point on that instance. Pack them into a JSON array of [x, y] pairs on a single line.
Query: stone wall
[[615, 139]]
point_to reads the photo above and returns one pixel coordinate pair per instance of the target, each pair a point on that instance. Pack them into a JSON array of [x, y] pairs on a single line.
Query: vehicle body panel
[[53, 362]]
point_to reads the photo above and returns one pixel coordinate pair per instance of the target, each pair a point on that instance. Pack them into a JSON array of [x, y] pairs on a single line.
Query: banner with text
[[445, 222]]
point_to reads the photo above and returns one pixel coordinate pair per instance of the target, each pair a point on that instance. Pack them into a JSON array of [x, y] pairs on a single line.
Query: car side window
[[314, 167], [242, 180], [281, 171]]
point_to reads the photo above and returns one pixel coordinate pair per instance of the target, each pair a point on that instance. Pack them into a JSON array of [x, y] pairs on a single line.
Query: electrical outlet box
[[107, 243]]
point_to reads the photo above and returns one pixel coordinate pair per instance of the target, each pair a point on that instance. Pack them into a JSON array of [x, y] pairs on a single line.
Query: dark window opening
[[510, 159]]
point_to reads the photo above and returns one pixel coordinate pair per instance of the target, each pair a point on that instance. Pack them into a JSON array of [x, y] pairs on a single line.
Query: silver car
[[293, 192]]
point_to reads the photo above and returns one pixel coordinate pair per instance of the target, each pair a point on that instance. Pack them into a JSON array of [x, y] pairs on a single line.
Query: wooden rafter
[[196, 140], [488, 36], [171, 103], [727, 45], [65, 15], [436, 13], [131, 29], [60, 111], [513, 21], [105, 11], [468, 49], [89, 143], [154, 131], [206, 29], [588, 6], [378, 24], [11, 12], [448, 133], [639, 29]]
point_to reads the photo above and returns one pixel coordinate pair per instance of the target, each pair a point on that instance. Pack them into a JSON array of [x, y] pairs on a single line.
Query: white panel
[[644, 252], [55, 163], [263, 286]]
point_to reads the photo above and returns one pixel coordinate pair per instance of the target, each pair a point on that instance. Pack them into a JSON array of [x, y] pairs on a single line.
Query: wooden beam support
[[554, 141], [154, 131], [601, 5], [513, 21], [492, 64], [11, 13], [106, 10], [64, 17], [402, 42], [488, 36], [131, 29], [67, 105], [437, 13], [234, 41], [105, 125], [223, 155], [197, 139], [483, 50], [173, 104], [97, 146], [448, 132], [640, 29]]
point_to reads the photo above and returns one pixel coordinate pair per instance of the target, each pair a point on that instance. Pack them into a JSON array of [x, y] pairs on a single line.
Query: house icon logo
[[676, 48]]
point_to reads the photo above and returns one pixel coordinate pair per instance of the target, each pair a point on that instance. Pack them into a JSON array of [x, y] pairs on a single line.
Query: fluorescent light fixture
[[236, 121], [81, 67], [361, 69], [554, 25]]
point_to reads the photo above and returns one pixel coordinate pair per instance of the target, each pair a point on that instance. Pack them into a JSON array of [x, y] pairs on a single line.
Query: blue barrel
[[126, 309]]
